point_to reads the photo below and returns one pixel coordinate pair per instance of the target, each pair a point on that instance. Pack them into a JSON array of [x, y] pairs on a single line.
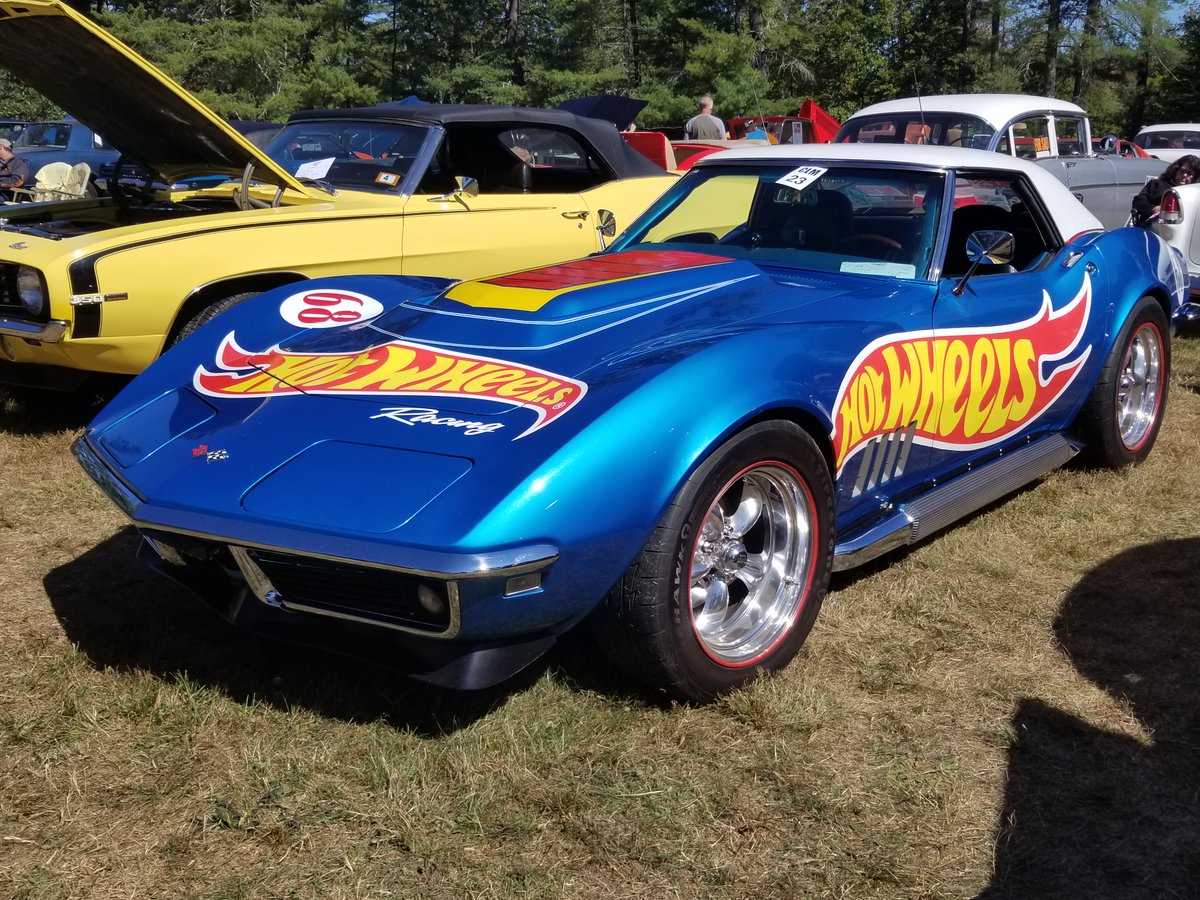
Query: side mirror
[[465, 186], [993, 248], [606, 225]]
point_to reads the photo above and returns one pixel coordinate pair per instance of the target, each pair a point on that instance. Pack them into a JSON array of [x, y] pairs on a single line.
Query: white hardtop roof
[[1070, 215], [997, 109], [1178, 126]]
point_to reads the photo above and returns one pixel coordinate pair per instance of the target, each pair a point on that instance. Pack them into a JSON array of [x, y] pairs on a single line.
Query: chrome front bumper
[[43, 332]]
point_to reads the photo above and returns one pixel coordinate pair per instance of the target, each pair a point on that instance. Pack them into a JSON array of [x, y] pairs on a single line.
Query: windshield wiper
[[323, 185]]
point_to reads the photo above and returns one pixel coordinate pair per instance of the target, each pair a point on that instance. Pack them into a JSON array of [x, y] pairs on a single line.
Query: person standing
[[1148, 203], [704, 126], [14, 171]]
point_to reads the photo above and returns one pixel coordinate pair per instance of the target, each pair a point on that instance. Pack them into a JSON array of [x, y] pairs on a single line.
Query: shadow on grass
[[1093, 813], [124, 616], [29, 411]]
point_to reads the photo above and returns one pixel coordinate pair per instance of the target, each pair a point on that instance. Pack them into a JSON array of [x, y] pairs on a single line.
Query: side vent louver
[[884, 459]]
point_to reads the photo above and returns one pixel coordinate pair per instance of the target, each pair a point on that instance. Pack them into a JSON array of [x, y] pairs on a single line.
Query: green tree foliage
[[21, 103], [259, 59], [1127, 61], [1179, 96]]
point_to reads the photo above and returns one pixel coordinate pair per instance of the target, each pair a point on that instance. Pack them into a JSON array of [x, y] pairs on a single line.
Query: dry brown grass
[[1005, 711]]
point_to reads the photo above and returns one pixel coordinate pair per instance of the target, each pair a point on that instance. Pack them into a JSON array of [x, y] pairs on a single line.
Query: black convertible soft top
[[602, 136]]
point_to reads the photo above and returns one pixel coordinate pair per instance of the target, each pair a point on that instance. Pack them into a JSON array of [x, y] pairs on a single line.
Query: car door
[[529, 210], [882, 343], [887, 395], [1093, 181], [1091, 178], [470, 237], [1016, 342]]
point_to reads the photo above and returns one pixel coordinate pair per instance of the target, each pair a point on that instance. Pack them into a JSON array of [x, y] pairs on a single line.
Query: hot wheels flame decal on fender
[[394, 368], [962, 388]]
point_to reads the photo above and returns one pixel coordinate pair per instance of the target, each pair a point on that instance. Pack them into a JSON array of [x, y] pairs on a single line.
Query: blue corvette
[[798, 359]]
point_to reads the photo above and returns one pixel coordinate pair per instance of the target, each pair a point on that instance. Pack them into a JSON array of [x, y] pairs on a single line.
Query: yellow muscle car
[[197, 218]]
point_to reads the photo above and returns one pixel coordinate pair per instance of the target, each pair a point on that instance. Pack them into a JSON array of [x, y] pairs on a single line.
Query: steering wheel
[[865, 241], [124, 193], [742, 238]]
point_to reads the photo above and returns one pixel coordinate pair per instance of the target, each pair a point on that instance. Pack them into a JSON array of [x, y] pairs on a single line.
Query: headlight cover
[[31, 289]]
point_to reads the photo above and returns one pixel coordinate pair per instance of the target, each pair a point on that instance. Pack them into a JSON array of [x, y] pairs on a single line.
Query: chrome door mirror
[[467, 186], [986, 248], [995, 248], [606, 225], [464, 186]]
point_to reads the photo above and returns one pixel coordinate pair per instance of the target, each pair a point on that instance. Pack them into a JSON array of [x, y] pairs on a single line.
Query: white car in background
[[1170, 142], [1055, 134], [1178, 224]]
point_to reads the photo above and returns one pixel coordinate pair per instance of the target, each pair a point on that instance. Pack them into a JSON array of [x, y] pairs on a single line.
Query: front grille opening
[[10, 302], [380, 596]]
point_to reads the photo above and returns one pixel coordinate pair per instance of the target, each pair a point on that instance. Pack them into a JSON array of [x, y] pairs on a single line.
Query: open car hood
[[107, 86]]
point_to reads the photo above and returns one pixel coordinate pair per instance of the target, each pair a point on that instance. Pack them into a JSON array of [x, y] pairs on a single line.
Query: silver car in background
[[1055, 134]]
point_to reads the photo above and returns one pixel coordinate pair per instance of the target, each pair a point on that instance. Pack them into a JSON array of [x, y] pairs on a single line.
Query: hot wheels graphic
[[398, 368], [963, 388]]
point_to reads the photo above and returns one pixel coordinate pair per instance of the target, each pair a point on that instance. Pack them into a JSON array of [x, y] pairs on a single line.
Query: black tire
[[209, 313], [1122, 417], [649, 624]]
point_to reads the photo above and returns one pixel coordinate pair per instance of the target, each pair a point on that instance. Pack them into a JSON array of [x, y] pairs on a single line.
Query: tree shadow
[[1093, 813], [32, 411], [124, 616]]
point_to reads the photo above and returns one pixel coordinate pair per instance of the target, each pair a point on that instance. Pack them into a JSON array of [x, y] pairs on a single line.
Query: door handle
[[576, 214]]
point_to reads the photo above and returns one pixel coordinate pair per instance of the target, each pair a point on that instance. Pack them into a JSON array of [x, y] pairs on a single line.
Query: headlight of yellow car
[[31, 290]]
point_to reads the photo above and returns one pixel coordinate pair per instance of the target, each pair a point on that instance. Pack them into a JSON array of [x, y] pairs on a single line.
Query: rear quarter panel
[[1185, 236]]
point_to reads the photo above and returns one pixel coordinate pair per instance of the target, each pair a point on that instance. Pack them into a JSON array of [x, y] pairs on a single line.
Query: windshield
[[864, 220], [350, 155], [44, 134], [1169, 140], [915, 127]]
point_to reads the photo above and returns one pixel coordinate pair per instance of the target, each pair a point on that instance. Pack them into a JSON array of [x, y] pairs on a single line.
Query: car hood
[[107, 86], [536, 341], [464, 387], [576, 317]]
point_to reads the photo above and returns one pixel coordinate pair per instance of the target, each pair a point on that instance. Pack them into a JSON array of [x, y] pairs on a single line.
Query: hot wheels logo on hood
[[961, 388], [394, 368]]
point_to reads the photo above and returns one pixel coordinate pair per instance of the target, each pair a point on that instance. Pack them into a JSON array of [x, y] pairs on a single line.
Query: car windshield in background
[[1169, 140], [869, 221], [942, 129], [350, 155], [44, 134]]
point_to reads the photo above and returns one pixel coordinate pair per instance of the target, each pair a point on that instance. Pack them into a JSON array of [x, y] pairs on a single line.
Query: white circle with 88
[[328, 308]]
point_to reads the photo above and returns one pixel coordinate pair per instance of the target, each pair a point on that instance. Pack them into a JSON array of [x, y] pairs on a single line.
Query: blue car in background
[[800, 358], [64, 141], [11, 128]]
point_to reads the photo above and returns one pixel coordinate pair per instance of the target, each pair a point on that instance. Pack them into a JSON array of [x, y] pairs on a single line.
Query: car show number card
[[799, 179]]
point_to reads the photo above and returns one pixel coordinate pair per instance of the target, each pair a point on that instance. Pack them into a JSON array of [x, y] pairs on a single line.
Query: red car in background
[[1120, 146]]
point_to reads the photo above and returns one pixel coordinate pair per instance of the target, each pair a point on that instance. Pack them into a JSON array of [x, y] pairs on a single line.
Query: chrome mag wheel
[[1139, 392], [751, 564]]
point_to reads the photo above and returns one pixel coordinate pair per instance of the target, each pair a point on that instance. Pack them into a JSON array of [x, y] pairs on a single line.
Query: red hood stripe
[[605, 268]]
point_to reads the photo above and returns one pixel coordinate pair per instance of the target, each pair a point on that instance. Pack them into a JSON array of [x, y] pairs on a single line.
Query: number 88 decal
[[328, 308]]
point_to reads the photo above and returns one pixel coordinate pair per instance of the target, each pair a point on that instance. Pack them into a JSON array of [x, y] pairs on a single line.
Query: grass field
[[1008, 710]]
